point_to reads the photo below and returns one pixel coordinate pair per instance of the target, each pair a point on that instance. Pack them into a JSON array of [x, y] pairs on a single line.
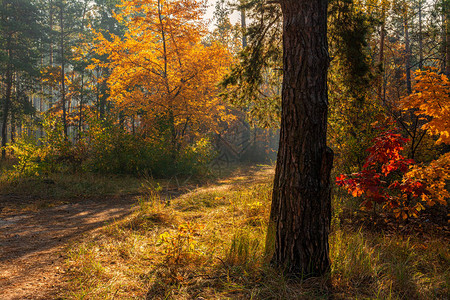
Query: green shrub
[[107, 148], [49, 154], [115, 150]]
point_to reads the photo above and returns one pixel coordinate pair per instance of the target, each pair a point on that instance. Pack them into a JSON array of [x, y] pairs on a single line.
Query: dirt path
[[31, 243]]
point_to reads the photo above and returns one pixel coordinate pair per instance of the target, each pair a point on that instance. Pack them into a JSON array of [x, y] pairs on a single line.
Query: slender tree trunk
[[102, 91], [173, 135], [50, 104], [163, 37], [13, 128], [408, 57], [80, 116], [244, 27], [447, 42], [247, 133], [121, 120], [443, 41], [412, 117], [420, 36], [7, 99], [381, 89], [41, 98], [51, 33], [301, 204], [170, 114], [63, 73], [445, 18]]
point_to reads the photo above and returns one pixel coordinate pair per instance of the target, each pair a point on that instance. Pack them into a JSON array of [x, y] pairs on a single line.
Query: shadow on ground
[[31, 243]]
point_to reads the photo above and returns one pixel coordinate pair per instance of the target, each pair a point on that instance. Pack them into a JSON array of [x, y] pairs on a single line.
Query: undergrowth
[[70, 185], [209, 244]]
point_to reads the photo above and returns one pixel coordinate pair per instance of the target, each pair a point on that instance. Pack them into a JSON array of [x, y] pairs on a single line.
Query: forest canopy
[[148, 86]]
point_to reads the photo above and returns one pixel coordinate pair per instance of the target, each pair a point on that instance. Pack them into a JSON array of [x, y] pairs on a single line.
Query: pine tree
[[19, 36]]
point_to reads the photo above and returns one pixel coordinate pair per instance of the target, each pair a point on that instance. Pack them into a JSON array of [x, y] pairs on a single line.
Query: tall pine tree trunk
[[50, 104], [7, 99], [408, 57], [420, 36], [12, 133], [447, 41], [244, 27], [80, 112], [102, 92], [301, 205], [51, 35], [63, 73], [381, 86]]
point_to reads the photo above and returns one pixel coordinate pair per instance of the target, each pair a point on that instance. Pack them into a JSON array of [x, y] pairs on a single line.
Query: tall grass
[[209, 244]]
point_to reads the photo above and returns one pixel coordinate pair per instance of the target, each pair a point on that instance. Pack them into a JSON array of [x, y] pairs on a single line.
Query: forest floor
[[40, 219], [32, 241], [199, 240]]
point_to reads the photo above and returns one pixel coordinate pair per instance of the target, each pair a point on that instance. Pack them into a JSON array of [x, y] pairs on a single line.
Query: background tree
[[103, 20], [254, 83], [161, 70], [352, 73], [19, 37]]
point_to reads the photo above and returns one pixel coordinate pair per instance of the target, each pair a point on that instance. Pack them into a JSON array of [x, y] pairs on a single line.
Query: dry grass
[[209, 244]]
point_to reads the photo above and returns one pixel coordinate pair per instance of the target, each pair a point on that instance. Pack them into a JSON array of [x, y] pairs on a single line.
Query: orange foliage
[[161, 67], [428, 183], [431, 101], [435, 176]]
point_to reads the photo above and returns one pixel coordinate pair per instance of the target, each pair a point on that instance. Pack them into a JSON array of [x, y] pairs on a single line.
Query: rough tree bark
[[301, 204]]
